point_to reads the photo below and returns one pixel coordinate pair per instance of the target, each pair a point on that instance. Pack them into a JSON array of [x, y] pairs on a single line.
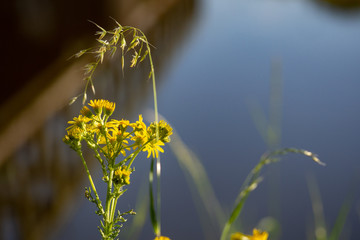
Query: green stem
[[98, 157], [109, 198], [131, 157], [113, 207], [158, 163], [98, 202]]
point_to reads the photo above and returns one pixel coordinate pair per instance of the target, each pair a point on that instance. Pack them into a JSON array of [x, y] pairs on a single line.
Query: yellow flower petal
[[162, 238]]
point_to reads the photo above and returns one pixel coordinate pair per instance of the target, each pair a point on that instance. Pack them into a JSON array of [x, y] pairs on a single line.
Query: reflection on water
[[342, 4], [42, 178]]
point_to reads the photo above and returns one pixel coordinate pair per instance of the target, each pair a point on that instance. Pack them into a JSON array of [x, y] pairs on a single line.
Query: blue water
[[223, 72]]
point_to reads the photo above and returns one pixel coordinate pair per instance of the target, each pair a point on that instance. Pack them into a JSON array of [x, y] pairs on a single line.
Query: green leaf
[[341, 219]]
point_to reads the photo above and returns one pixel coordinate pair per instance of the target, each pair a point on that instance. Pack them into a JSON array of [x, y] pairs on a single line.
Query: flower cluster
[[110, 138], [114, 137], [162, 238], [122, 176], [257, 235]]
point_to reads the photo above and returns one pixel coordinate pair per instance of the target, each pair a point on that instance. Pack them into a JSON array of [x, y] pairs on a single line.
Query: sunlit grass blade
[[341, 219], [199, 182], [319, 219], [141, 207], [321, 231], [253, 179]]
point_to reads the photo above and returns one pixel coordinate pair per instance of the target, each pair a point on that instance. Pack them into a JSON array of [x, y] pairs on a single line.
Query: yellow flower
[[164, 131], [78, 129], [139, 138], [112, 124], [162, 238], [123, 124], [86, 112], [76, 133], [122, 175], [139, 126], [153, 148], [114, 143], [79, 122], [109, 108], [97, 105], [257, 235], [140, 135], [120, 127], [100, 104]]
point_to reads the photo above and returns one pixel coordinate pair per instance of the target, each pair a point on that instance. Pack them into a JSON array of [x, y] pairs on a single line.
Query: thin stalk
[[98, 202], [158, 195], [158, 163]]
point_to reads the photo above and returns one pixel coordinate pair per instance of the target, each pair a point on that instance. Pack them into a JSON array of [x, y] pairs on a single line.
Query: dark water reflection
[[226, 69], [43, 180]]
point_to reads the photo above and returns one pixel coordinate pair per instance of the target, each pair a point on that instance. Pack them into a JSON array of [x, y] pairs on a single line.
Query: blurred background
[[235, 79]]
